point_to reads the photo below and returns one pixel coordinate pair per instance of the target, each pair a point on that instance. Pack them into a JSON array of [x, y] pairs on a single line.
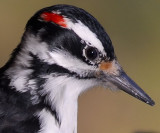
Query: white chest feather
[[68, 119], [48, 122]]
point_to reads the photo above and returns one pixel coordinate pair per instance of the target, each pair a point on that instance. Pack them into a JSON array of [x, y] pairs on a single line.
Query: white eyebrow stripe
[[85, 34]]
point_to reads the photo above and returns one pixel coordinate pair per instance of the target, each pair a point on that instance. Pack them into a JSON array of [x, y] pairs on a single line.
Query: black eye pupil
[[91, 53]]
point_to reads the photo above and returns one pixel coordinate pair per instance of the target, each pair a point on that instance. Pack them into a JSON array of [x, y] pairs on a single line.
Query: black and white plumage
[[63, 52]]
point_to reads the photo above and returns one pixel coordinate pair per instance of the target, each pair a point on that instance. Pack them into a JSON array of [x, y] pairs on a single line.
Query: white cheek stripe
[[85, 34]]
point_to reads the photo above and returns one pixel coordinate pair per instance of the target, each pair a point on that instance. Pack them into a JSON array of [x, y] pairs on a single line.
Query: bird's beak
[[113, 73]]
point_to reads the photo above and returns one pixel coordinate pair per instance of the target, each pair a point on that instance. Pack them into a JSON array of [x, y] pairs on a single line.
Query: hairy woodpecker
[[63, 52]]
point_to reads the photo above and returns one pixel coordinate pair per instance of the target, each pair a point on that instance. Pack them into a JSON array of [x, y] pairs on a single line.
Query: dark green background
[[134, 27]]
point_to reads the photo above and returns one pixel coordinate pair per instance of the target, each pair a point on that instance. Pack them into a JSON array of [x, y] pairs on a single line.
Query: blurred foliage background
[[134, 28]]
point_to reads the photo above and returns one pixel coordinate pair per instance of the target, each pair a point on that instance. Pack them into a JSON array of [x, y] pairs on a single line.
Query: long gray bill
[[126, 84]]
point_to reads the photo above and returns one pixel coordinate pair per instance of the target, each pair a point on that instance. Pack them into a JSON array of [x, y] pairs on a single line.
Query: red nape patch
[[53, 17]]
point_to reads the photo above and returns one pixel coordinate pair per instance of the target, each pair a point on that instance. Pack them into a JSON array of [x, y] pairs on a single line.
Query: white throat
[[63, 95], [68, 123]]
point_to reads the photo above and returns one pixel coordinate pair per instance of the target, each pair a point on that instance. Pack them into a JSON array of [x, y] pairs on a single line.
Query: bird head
[[66, 46]]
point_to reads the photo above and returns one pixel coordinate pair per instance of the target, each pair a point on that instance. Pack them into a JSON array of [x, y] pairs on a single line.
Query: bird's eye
[[91, 53]]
